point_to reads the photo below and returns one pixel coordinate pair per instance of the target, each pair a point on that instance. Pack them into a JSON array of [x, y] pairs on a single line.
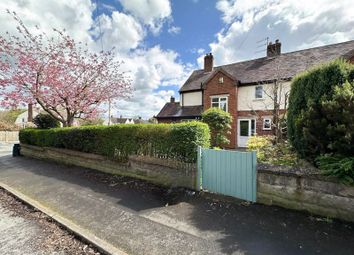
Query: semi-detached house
[[244, 89]]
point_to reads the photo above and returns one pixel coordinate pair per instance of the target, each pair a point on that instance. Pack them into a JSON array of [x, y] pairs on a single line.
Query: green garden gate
[[227, 172]]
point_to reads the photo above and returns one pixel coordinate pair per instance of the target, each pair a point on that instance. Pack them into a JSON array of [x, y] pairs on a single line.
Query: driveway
[[141, 218]]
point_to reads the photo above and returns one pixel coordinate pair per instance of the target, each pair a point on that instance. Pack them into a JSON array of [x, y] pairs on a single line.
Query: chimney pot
[[208, 62], [274, 49], [172, 100]]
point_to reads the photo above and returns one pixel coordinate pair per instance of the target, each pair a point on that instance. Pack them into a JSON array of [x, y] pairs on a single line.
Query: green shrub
[[172, 141], [90, 122], [268, 152], [219, 123], [43, 121], [340, 167], [310, 124], [334, 119], [262, 145]]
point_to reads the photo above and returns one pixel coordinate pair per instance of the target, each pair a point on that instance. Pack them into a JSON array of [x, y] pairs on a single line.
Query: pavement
[[26, 231], [140, 218], [17, 234]]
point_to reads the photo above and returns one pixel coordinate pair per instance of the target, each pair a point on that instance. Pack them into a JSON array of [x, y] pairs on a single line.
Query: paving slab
[[17, 235], [140, 218]]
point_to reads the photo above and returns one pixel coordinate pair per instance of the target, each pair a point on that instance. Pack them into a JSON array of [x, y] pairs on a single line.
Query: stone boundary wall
[[158, 171], [285, 188], [9, 136], [313, 193]]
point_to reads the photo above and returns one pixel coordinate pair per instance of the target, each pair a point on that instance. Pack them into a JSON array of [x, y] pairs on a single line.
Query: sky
[[161, 41]]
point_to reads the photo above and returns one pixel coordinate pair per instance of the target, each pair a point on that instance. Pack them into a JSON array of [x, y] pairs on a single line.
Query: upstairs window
[[259, 92], [221, 79], [219, 102]]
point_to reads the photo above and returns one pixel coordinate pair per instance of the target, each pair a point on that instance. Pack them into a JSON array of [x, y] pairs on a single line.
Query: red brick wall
[[213, 88], [165, 120], [351, 60], [174, 120], [259, 116]]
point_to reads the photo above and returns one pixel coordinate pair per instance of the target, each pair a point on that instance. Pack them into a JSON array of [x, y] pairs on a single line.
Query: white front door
[[246, 128]]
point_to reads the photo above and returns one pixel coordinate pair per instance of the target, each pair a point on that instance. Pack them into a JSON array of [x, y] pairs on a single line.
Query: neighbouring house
[[244, 89], [122, 120], [22, 119], [25, 119]]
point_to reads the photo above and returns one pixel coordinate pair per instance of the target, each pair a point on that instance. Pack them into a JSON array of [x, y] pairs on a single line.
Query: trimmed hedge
[[118, 142]]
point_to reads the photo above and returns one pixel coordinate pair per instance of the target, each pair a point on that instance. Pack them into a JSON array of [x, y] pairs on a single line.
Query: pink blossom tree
[[66, 79]]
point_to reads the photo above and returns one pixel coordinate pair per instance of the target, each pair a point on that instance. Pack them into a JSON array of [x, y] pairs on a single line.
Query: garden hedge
[[118, 142], [309, 125]]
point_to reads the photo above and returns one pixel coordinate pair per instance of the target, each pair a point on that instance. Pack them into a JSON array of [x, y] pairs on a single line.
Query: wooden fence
[[9, 136]]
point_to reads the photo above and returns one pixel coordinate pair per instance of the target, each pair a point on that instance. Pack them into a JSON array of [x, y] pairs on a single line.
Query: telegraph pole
[[101, 35], [109, 112]]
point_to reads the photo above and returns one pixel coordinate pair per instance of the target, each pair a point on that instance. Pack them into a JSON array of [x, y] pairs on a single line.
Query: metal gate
[[227, 172]]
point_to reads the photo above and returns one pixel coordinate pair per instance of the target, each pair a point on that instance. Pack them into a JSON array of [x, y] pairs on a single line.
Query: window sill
[[258, 99]]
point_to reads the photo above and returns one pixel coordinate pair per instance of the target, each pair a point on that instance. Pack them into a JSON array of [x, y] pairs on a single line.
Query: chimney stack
[[208, 62], [30, 113], [172, 100], [274, 49]]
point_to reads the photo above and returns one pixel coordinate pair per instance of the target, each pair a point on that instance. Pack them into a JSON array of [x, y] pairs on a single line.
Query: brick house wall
[[228, 87], [168, 121], [176, 120], [351, 60], [259, 116]]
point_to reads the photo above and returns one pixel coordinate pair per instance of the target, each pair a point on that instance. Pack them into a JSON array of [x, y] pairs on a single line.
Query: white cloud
[[200, 51], [297, 23], [152, 13], [74, 16], [119, 30], [151, 69], [174, 30], [197, 51]]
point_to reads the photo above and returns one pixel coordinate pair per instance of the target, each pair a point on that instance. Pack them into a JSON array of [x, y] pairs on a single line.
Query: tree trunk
[[275, 111], [70, 121], [30, 113]]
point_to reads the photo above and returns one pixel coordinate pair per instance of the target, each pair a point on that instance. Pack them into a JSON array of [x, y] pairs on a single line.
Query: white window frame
[[255, 92], [226, 97], [264, 122]]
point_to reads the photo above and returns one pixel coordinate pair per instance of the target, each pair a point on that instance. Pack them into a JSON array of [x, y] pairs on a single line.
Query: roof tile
[[285, 66]]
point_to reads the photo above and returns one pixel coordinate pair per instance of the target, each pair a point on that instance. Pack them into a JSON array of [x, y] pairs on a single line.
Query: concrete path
[[144, 219], [17, 235]]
